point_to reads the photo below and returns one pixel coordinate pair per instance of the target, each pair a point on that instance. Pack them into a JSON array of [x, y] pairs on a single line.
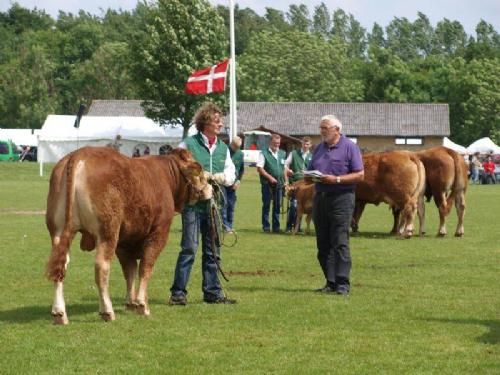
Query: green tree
[[296, 66], [449, 38], [322, 22], [298, 16], [106, 75], [180, 36]]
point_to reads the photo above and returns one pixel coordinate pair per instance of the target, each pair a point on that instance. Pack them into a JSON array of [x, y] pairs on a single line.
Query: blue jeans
[[475, 176], [194, 223], [228, 209], [271, 194]]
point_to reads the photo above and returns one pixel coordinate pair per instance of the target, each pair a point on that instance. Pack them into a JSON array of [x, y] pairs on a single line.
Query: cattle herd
[[125, 206], [403, 180]]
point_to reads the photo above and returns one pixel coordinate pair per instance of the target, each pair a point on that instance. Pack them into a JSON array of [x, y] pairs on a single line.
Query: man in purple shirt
[[340, 162]]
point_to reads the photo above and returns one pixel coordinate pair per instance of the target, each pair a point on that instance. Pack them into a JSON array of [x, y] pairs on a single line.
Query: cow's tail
[[459, 182], [57, 263], [421, 183]]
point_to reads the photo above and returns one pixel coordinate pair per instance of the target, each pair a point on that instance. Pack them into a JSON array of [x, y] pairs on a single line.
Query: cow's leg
[[397, 224], [105, 250], [358, 211], [441, 204], [129, 268], [308, 224], [59, 315], [421, 215], [460, 207], [298, 219], [152, 248], [408, 217]]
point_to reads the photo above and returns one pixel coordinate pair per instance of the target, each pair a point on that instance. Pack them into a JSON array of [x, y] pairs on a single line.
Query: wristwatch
[[338, 179]]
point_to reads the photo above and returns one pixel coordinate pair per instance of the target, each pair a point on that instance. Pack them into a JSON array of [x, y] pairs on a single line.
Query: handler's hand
[[329, 179]]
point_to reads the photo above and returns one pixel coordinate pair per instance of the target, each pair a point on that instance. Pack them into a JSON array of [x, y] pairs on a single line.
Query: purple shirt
[[340, 159]]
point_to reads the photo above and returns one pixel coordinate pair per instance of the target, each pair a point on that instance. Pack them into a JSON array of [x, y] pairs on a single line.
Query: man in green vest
[[295, 164], [214, 157], [271, 168], [230, 203]]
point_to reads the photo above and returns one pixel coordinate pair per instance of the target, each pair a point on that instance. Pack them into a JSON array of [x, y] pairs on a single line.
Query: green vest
[[213, 163], [237, 159], [274, 167], [298, 164]]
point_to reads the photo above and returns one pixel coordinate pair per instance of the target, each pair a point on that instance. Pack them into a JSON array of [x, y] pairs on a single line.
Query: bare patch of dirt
[[254, 273]]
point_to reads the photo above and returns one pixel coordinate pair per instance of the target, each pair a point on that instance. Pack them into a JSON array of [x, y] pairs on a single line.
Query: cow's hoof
[[458, 234], [143, 309], [60, 319], [107, 316], [131, 306], [441, 234]]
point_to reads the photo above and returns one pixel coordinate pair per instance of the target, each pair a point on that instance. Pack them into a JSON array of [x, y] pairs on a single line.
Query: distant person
[[296, 162], [489, 171], [474, 166], [230, 191], [271, 168], [147, 151], [116, 143], [25, 152], [136, 153]]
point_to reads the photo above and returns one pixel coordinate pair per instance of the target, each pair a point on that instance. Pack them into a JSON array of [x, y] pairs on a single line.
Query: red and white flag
[[208, 80]]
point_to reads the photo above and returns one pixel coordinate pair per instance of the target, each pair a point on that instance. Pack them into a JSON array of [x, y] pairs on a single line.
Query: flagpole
[[233, 130]]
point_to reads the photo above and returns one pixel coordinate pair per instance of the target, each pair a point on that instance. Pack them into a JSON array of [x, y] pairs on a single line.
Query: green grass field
[[420, 306]]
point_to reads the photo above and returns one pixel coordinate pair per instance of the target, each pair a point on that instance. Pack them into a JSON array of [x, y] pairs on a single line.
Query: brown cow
[[119, 205], [396, 178], [304, 193], [446, 182]]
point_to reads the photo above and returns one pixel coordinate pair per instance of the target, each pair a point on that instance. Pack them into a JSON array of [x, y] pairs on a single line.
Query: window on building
[[412, 141]]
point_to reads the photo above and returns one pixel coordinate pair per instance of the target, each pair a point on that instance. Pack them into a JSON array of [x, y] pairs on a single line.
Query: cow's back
[[390, 177]]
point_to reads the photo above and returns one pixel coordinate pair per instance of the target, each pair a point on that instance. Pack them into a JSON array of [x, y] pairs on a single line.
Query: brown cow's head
[[198, 187]]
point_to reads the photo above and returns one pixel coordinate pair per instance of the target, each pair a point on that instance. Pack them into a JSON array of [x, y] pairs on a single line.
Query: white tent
[[448, 143], [483, 146], [59, 137], [21, 137]]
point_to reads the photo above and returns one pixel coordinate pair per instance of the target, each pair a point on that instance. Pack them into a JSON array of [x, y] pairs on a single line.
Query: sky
[[367, 12]]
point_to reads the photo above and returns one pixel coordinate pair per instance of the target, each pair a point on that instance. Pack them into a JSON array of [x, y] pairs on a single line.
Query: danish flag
[[208, 80]]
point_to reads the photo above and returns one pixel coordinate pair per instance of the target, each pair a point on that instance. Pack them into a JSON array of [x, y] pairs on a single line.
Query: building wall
[[379, 144]]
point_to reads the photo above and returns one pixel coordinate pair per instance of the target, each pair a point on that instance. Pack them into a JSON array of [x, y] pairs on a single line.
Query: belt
[[324, 194]]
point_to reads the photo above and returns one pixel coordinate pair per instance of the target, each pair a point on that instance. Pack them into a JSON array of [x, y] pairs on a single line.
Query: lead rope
[[216, 225]]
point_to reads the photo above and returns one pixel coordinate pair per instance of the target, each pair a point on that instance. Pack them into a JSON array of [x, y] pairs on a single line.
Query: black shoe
[[328, 288], [221, 300], [342, 289], [266, 231], [180, 300]]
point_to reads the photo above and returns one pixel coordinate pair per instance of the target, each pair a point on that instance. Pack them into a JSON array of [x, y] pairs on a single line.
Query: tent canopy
[[483, 146], [448, 143], [59, 137], [21, 137]]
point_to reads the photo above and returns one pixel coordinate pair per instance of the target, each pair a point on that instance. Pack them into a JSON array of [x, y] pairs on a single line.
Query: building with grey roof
[[374, 126]]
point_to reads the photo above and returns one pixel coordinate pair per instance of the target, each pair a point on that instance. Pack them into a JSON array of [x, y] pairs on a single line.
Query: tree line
[[52, 65]]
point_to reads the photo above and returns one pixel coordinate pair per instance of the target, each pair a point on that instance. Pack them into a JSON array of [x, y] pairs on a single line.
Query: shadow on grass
[[29, 314], [490, 337], [373, 235]]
